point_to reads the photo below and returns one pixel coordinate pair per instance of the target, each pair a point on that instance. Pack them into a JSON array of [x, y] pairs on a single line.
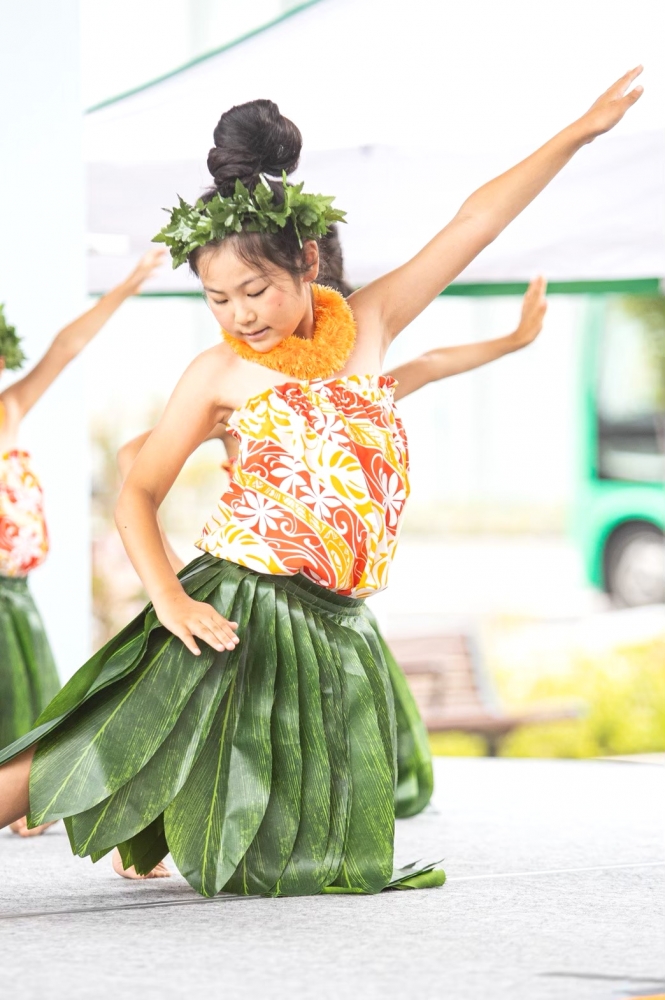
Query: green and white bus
[[619, 511]]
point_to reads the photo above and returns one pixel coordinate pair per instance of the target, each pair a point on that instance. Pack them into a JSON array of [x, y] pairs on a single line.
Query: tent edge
[[202, 58]]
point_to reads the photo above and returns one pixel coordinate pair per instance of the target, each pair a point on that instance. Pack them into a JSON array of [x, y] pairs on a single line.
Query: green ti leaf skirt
[[28, 676], [276, 768]]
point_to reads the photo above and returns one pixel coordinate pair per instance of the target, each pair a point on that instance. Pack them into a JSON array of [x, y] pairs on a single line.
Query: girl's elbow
[[125, 457], [134, 500], [119, 512], [66, 347], [482, 223], [435, 366], [127, 501]]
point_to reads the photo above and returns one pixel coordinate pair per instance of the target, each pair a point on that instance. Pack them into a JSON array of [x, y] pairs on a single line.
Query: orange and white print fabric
[[320, 484], [23, 535]]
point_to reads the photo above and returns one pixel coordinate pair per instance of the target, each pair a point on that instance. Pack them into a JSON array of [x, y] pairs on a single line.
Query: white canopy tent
[[404, 109]]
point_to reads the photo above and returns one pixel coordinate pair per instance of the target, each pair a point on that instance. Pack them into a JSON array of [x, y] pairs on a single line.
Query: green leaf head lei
[[193, 226], [10, 343]]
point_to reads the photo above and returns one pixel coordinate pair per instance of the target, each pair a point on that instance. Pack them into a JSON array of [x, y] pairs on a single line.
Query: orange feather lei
[[322, 356]]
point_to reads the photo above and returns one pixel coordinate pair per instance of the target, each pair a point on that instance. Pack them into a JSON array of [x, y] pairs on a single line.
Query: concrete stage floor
[[556, 890]]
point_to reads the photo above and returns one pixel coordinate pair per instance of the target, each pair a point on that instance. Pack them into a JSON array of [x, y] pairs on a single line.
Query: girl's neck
[[305, 328]]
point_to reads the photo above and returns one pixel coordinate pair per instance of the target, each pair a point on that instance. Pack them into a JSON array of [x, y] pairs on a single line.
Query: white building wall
[[41, 282]]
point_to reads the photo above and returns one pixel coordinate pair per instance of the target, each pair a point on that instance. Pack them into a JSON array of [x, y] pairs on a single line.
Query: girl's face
[[259, 311]]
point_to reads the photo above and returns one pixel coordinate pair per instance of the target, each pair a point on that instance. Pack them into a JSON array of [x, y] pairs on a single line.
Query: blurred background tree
[[650, 311]]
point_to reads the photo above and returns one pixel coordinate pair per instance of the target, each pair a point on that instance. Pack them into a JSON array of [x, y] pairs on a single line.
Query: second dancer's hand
[[148, 264], [190, 620], [534, 307]]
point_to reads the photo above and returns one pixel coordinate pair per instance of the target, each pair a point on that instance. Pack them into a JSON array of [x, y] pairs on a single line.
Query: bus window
[[630, 397]]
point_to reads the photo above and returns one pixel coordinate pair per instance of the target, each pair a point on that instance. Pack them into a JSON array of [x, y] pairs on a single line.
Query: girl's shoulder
[[219, 376], [367, 315], [215, 363], [10, 416]]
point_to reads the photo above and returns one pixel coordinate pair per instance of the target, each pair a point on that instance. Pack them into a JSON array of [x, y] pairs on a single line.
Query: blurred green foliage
[[624, 691], [651, 312]]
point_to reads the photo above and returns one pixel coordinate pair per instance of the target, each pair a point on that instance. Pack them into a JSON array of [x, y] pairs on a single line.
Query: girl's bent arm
[[128, 451], [126, 457], [390, 303], [190, 415]]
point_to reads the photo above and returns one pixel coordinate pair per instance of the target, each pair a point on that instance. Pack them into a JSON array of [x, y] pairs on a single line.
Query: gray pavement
[[556, 889]]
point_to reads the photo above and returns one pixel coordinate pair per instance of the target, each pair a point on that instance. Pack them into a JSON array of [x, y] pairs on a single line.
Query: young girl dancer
[[28, 677], [414, 767], [245, 721]]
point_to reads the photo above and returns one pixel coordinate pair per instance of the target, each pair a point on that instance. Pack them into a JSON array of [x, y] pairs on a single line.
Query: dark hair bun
[[252, 139]]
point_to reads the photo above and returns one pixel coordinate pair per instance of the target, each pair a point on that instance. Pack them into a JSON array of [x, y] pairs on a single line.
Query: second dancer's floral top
[[23, 535], [319, 486]]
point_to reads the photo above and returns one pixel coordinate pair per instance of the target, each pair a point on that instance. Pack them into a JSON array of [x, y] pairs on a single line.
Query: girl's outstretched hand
[[148, 263], [611, 106], [534, 307], [188, 619]]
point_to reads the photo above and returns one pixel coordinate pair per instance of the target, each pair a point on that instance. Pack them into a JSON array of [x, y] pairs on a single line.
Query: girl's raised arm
[[23, 394], [393, 301], [442, 362]]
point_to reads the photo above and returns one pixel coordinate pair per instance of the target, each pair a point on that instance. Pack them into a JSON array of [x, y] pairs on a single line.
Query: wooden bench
[[455, 693]]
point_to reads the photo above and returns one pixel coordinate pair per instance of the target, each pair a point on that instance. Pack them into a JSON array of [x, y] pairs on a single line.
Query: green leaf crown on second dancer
[[193, 226], [10, 343]]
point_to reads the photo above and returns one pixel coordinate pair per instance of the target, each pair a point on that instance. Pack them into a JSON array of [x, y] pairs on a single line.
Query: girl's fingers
[[230, 634], [227, 627], [634, 95], [189, 641], [631, 75], [155, 254], [534, 297], [222, 637], [208, 635], [225, 636], [619, 88], [534, 307], [204, 622]]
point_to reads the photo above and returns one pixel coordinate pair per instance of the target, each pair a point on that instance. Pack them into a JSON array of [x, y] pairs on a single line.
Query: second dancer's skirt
[[28, 676], [276, 768]]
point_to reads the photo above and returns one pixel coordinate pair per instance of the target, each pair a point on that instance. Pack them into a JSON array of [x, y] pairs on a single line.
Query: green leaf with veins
[[192, 226], [10, 344]]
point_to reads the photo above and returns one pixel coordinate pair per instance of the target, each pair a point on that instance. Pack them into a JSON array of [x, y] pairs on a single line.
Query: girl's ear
[[311, 254], [2, 365]]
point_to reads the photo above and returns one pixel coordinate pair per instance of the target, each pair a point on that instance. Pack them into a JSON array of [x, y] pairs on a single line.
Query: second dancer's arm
[[22, 395], [442, 362]]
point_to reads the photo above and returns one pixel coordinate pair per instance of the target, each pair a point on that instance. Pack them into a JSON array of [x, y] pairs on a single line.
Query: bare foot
[[21, 827], [159, 871]]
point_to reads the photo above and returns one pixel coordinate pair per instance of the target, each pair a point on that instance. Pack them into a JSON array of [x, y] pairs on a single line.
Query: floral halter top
[[319, 485], [23, 535]]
